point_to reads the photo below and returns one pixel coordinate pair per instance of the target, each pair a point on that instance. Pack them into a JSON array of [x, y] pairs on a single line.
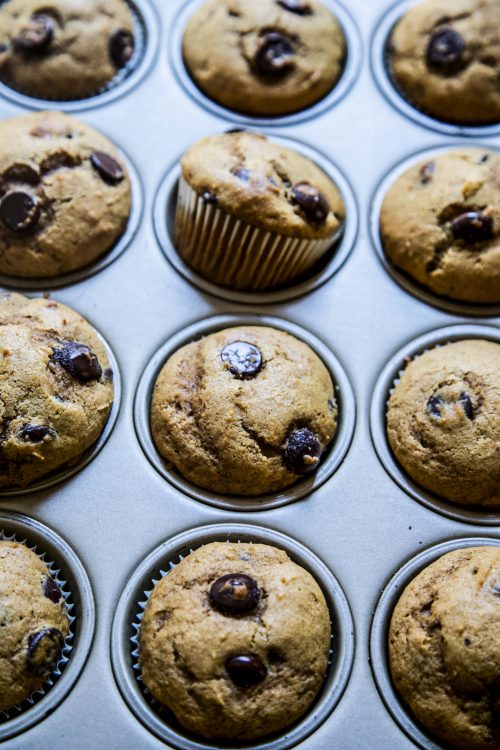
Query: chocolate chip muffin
[[443, 422], [440, 224], [252, 214], [444, 648], [444, 57], [34, 624], [235, 641], [244, 411], [267, 57], [56, 388], [66, 50], [64, 195]]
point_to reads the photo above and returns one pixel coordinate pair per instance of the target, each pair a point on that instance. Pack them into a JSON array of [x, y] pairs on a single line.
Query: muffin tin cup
[[61, 475], [333, 456], [164, 224], [456, 307], [104, 260], [385, 383], [126, 624], [380, 634], [75, 587], [146, 25], [348, 76], [384, 80]]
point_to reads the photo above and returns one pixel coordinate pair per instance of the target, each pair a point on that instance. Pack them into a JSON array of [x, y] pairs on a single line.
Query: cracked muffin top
[[444, 57], [440, 223], [56, 387], [244, 411], [68, 49], [444, 648], [443, 421], [235, 640], [265, 57], [34, 623], [265, 184], [64, 195]]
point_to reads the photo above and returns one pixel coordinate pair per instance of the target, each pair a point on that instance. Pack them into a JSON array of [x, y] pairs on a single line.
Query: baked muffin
[[440, 224], [64, 195], [443, 422], [444, 57], [265, 57], [34, 624], [254, 215], [235, 641], [56, 388], [244, 411], [69, 50], [444, 648]]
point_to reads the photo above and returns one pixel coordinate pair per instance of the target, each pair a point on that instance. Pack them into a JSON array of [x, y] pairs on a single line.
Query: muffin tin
[[360, 523]]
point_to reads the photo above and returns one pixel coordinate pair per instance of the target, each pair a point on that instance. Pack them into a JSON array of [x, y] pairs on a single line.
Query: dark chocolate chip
[[246, 671], [275, 656], [427, 172], [51, 590], [242, 174], [108, 168], [121, 47], [235, 593], [35, 433], [235, 130], [472, 226], [445, 51], [496, 589], [296, 6], [434, 405], [44, 650], [466, 403], [275, 55], [484, 158], [21, 173], [78, 360], [19, 211], [36, 36], [302, 451], [108, 374], [311, 201], [208, 197], [242, 359]]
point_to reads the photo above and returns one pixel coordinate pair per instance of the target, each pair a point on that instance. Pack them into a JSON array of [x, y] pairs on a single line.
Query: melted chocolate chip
[[51, 590], [235, 593], [35, 433], [472, 226], [445, 51], [246, 671], [21, 173], [275, 55], [78, 360], [107, 167], [311, 201], [303, 451], [434, 405], [427, 172], [36, 36], [465, 402], [44, 650], [19, 211], [121, 47], [242, 359], [296, 6], [208, 197]]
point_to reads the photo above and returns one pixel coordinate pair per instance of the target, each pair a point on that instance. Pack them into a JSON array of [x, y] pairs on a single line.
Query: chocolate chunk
[[275, 656], [466, 403], [275, 55], [445, 51], [108, 168], [19, 211], [44, 651], [121, 47], [78, 360], [36, 36], [296, 6], [302, 451], [312, 202], [242, 359], [235, 593], [246, 671], [21, 173], [472, 226], [427, 172], [208, 197], [35, 433], [434, 405], [51, 590]]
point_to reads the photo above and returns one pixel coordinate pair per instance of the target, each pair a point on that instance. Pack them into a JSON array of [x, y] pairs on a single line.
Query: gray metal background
[[119, 508]]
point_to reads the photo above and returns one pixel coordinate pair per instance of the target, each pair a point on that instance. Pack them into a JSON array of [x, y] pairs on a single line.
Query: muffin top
[[235, 640], [265, 184], [443, 421], [34, 623], [444, 648], [440, 223], [445, 59], [244, 411], [69, 49], [64, 195], [265, 57], [56, 387]]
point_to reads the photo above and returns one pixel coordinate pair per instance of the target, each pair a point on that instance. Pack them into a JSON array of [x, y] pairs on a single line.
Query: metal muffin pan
[[359, 522]]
